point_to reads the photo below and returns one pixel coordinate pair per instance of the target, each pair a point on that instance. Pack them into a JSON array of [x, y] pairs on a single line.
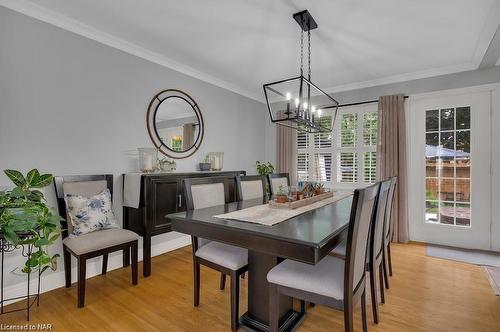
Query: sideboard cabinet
[[161, 194]]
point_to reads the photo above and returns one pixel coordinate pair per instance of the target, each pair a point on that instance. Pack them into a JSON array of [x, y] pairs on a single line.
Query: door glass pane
[[463, 117], [447, 119], [431, 156], [431, 189], [431, 211], [447, 141], [462, 214], [462, 190], [447, 159], [447, 189], [447, 213], [432, 120]]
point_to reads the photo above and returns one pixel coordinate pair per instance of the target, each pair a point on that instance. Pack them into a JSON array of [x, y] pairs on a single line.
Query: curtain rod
[[362, 103]]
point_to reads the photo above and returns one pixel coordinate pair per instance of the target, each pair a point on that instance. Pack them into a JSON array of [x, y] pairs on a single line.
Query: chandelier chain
[[301, 52], [309, 53]]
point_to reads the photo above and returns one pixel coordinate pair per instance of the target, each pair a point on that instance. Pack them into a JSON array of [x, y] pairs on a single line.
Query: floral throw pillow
[[90, 214]]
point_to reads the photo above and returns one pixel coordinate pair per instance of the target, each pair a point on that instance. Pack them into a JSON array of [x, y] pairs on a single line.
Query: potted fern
[[25, 219]]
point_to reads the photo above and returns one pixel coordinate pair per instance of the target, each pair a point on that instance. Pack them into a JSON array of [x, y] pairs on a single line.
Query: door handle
[[179, 200]]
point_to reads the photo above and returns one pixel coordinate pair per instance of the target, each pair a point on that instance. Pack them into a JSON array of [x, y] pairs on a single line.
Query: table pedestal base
[[287, 323], [257, 317]]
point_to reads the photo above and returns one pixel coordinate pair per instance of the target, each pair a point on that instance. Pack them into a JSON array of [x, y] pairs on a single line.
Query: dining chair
[[276, 180], [333, 282], [93, 244], [388, 230], [250, 187], [375, 259], [227, 259]]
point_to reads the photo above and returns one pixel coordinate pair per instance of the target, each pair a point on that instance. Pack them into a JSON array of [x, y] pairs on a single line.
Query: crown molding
[[79, 28], [487, 34], [403, 77]]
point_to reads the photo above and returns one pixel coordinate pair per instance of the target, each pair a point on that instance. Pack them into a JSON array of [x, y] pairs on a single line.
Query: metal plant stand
[[30, 299]]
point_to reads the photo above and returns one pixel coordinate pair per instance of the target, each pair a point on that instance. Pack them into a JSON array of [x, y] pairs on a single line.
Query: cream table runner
[[266, 215]]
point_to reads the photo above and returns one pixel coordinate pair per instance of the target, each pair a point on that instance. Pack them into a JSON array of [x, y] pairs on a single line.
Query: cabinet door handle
[[179, 200]]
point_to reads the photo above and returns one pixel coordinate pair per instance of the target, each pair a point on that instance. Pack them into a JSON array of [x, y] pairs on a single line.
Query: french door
[[449, 144]]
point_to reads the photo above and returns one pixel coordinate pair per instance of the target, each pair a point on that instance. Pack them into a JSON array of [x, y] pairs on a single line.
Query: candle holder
[[216, 160], [148, 159]]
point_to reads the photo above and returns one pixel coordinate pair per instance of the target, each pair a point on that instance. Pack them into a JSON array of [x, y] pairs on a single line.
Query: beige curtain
[[391, 159], [187, 136], [286, 152]]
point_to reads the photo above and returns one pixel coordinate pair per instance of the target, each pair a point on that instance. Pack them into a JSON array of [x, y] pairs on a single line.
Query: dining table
[[306, 238]]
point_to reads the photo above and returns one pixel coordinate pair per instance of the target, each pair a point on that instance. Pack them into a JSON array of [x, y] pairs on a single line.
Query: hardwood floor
[[427, 294]]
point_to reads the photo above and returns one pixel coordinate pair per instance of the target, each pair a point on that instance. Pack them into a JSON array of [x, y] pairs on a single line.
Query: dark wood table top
[[307, 237]]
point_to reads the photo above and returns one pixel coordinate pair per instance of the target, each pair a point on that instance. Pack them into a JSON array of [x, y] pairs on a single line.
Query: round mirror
[[175, 123]]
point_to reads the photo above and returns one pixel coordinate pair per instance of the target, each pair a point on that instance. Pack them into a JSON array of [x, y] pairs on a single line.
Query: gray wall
[[69, 105]]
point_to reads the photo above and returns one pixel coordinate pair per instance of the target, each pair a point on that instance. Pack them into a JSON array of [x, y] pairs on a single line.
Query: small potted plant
[[167, 165], [264, 169], [25, 219], [281, 195], [205, 165]]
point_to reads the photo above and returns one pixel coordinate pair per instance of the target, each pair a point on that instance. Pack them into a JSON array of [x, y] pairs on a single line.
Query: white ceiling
[[241, 44]]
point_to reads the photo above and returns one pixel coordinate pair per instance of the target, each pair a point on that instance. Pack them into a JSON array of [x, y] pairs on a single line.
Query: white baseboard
[[55, 280]]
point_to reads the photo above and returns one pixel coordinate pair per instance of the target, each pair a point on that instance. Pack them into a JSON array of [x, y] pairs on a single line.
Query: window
[[346, 157], [447, 166]]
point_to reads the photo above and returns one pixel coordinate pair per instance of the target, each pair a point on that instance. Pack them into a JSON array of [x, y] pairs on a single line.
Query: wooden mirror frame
[[154, 104]]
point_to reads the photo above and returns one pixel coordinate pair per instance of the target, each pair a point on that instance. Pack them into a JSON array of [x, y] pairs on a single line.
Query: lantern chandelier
[[297, 102]]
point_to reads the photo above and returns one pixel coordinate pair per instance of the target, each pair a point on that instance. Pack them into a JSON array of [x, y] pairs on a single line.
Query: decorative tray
[[300, 203]]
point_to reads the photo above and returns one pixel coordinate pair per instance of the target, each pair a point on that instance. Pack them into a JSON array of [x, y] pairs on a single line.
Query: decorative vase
[[216, 160], [148, 159]]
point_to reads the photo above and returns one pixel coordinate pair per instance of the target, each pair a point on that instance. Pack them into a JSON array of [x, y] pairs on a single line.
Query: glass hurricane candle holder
[[148, 159], [216, 160]]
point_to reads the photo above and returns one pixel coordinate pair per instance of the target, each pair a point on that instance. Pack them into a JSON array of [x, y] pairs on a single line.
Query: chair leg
[[386, 267], [363, 311], [135, 262], [104, 264], [82, 272], [235, 301], [389, 258], [348, 317], [373, 293], [273, 308], [67, 266], [126, 257], [196, 281], [381, 278], [222, 281]]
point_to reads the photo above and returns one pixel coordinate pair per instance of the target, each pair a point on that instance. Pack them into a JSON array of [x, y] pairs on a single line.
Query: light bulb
[[319, 112], [313, 108], [296, 102], [305, 105], [288, 96]]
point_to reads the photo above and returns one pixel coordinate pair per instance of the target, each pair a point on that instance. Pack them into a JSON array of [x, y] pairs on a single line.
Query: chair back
[[250, 187], [278, 180], [206, 192], [388, 213], [83, 185], [202, 193], [378, 224], [363, 207]]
